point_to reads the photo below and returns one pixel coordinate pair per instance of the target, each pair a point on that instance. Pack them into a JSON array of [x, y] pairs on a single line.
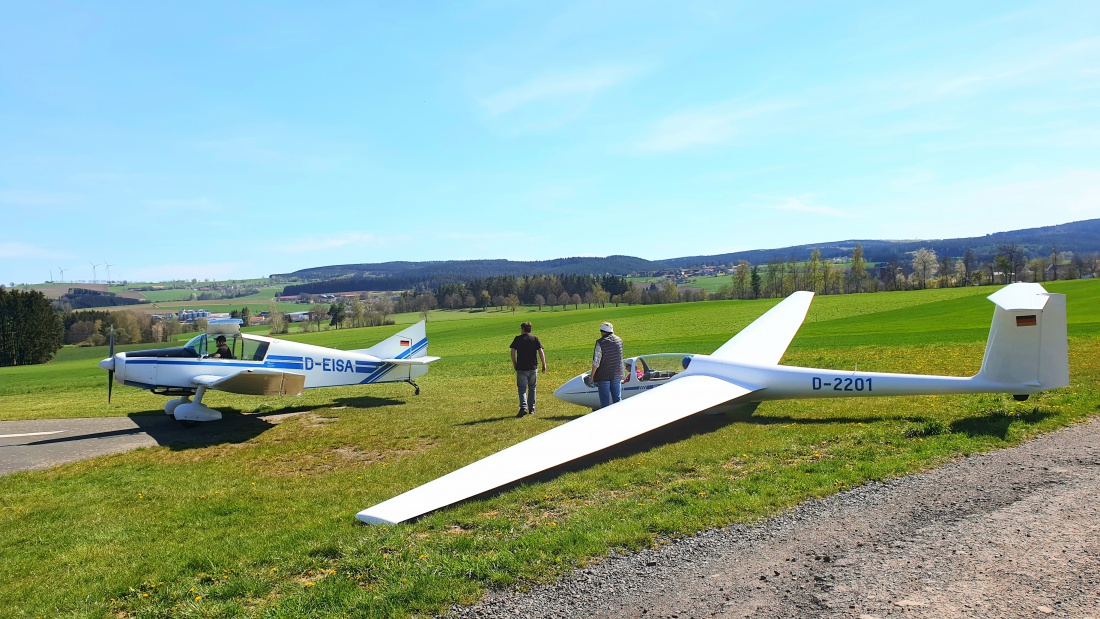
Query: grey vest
[[611, 361]]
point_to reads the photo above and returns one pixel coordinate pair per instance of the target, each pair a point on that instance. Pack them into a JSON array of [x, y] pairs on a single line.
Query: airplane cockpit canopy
[[196, 345]]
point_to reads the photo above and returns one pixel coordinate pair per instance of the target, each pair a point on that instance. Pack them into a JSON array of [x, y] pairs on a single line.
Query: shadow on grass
[[996, 422], [165, 431], [478, 422], [765, 420], [702, 423], [234, 427]]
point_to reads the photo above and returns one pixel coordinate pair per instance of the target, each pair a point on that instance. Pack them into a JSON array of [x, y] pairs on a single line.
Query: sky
[[217, 140]]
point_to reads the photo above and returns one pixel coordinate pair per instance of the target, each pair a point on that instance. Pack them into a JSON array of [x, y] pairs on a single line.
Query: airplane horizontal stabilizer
[[765, 340], [411, 361], [258, 381], [679, 398]]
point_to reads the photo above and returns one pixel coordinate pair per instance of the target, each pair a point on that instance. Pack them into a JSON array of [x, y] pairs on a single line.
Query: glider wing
[[765, 340], [257, 381], [675, 400]]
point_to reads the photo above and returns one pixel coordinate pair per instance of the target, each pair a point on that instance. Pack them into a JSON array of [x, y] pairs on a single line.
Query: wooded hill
[[405, 275], [1077, 237]]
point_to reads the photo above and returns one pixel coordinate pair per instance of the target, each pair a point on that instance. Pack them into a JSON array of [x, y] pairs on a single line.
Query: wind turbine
[[93, 272], [108, 272], [62, 273]]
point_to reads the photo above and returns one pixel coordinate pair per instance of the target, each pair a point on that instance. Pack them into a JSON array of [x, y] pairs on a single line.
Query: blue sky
[[218, 140]]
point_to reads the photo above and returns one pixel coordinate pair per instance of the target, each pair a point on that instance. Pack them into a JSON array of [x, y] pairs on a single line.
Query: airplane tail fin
[[1028, 345], [406, 344]]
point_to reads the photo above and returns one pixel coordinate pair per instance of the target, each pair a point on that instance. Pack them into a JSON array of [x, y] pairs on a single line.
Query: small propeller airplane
[[1027, 352], [257, 365]]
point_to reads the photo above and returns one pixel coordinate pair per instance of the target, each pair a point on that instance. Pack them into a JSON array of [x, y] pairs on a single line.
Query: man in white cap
[[607, 365]]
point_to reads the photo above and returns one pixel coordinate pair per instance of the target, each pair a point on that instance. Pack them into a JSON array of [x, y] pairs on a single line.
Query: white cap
[[607, 328]]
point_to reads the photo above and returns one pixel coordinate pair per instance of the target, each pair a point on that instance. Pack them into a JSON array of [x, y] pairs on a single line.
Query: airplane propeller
[[111, 372]]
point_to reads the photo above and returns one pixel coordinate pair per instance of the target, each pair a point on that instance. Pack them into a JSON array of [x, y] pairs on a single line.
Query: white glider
[[261, 365], [1027, 352]]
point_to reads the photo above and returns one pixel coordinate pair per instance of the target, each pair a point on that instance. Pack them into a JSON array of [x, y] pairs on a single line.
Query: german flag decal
[[1026, 321], [407, 342]]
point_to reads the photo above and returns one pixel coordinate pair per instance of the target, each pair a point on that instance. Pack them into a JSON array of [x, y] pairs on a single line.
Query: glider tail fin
[[1028, 346], [407, 344]]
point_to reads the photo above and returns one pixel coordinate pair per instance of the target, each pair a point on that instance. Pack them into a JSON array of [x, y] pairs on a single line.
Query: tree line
[[30, 330]]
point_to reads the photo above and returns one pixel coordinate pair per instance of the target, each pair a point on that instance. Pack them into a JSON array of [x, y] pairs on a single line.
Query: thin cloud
[[482, 236], [1075, 193], [703, 127], [580, 84], [184, 204], [797, 205], [32, 198], [26, 251], [199, 271], [322, 243]]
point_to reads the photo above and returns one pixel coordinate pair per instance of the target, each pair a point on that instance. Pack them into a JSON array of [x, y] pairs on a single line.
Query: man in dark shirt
[[526, 352], [223, 351]]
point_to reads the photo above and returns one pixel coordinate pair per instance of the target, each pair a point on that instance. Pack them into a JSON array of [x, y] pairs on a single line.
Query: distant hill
[[1077, 237], [464, 270]]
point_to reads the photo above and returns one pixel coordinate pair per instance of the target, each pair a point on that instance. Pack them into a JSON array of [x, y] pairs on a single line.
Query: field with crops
[[257, 519]]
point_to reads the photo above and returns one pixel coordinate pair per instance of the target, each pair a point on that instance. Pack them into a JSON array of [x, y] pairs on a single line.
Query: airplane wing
[[765, 340], [256, 381], [678, 398]]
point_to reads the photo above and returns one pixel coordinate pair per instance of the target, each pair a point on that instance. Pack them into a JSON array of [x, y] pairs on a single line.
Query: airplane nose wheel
[[417, 392]]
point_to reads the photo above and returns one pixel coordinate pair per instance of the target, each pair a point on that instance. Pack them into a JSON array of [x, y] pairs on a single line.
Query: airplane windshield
[[196, 345]]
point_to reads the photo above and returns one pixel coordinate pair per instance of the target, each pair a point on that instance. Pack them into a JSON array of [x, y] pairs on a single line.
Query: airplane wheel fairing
[[171, 405], [193, 411]]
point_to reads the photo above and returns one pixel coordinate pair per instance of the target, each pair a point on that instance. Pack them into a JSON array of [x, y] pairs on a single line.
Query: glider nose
[[573, 391], [107, 364]]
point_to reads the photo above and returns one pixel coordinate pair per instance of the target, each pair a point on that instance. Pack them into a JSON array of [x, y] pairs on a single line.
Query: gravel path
[[1011, 533]]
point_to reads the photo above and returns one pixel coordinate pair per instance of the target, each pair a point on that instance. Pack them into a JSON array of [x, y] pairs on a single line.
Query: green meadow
[[255, 516]]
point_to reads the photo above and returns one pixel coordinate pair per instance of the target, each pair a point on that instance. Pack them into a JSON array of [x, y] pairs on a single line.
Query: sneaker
[[531, 412], [521, 413]]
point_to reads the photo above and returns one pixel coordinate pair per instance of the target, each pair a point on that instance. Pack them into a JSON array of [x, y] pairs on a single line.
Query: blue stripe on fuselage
[[279, 365]]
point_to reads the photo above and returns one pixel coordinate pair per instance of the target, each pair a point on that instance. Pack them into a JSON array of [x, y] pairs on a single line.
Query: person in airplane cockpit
[[223, 351]]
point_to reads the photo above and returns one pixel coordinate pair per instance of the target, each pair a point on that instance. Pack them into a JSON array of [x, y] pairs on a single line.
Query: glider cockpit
[[640, 374]]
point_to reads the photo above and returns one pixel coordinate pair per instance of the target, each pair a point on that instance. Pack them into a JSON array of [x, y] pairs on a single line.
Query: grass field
[[259, 521]]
